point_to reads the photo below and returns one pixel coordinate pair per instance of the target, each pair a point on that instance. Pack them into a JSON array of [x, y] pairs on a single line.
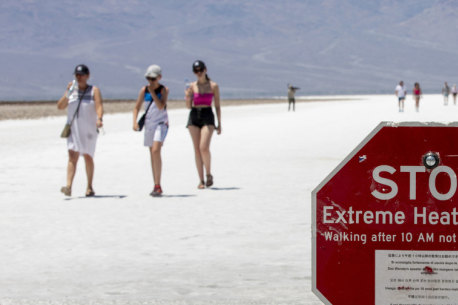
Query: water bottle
[[73, 87], [187, 84]]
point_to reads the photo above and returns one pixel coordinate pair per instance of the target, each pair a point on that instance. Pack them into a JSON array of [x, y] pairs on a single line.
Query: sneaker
[[157, 191]]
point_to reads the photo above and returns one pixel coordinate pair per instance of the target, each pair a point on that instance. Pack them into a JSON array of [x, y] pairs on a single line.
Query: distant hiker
[[454, 92], [401, 93], [201, 122], [416, 92], [291, 100], [445, 93], [85, 112], [154, 98]]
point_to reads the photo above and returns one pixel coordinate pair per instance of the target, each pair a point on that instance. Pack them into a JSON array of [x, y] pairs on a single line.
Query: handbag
[[66, 131], [141, 121], [68, 126]]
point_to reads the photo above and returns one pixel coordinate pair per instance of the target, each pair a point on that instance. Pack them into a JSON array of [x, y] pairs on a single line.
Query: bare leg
[[417, 104], [89, 172], [156, 161], [73, 157], [195, 135], [204, 147]]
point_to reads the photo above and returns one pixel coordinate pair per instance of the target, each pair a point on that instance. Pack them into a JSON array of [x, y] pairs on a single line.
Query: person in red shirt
[[416, 92]]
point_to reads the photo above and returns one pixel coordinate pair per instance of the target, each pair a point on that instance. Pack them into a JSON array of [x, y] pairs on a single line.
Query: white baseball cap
[[153, 71]]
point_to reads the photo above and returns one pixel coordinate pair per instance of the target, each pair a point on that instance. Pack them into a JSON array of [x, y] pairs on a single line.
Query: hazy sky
[[252, 48]]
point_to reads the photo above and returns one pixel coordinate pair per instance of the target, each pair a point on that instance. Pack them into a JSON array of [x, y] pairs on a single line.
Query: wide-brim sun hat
[[153, 71]]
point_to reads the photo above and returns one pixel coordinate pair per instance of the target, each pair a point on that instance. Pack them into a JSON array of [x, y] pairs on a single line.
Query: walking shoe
[[90, 192], [201, 185], [209, 180], [157, 191], [66, 190]]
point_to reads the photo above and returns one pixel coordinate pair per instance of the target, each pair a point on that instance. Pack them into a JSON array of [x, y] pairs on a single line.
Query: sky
[[251, 48]]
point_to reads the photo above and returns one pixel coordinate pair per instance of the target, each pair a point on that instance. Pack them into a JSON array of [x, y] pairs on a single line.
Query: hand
[[70, 88], [218, 129], [136, 127], [188, 93], [99, 123]]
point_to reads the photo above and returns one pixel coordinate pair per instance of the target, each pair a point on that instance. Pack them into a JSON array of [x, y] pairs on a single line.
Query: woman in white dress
[[84, 103]]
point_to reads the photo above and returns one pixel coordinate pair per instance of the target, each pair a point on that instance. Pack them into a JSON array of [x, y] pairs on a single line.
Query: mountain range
[[251, 48]]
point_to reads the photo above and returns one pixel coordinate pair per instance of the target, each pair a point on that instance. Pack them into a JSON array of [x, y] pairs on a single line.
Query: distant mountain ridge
[[252, 48]]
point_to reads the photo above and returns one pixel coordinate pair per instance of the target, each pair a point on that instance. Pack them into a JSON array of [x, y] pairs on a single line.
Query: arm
[[138, 105], [62, 103], [217, 107], [188, 96], [98, 106], [161, 102]]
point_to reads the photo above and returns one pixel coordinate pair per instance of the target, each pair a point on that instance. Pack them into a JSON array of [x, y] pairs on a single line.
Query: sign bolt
[[431, 160]]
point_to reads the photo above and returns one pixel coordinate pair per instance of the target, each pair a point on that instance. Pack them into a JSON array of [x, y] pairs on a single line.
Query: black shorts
[[201, 117]]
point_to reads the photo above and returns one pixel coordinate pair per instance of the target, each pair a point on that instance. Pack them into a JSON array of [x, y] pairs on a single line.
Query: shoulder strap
[[152, 101], [79, 103]]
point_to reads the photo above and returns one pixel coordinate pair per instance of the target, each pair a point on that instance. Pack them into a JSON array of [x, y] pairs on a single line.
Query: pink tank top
[[203, 99]]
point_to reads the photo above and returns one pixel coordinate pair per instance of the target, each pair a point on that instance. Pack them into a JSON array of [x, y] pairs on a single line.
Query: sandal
[[201, 185], [66, 190], [90, 192], [209, 180]]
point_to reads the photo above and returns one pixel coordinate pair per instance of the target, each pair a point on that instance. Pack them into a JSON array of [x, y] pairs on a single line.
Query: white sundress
[[83, 136]]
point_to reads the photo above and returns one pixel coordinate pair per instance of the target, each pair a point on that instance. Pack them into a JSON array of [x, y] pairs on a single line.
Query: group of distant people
[[446, 92], [401, 93], [85, 116]]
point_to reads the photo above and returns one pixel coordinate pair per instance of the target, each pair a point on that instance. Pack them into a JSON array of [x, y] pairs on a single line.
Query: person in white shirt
[[454, 93], [154, 98], [85, 112], [401, 93]]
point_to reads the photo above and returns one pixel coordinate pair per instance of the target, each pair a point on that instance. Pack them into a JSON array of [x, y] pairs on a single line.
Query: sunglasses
[[198, 70], [151, 78]]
